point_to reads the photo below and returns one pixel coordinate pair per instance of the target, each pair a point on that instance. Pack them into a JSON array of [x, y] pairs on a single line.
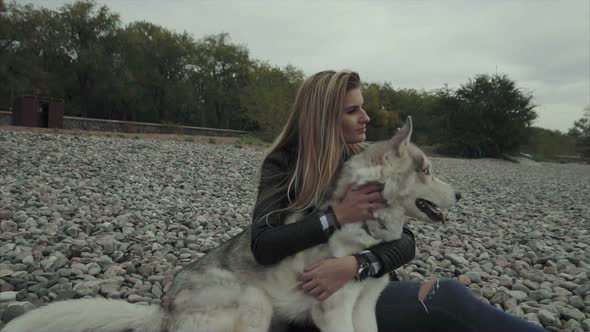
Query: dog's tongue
[[438, 213]]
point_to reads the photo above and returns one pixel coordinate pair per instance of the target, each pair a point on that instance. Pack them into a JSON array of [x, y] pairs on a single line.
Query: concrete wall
[[71, 122], [5, 118]]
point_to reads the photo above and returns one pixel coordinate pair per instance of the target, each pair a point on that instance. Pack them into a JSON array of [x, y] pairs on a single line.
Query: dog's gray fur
[[227, 290]]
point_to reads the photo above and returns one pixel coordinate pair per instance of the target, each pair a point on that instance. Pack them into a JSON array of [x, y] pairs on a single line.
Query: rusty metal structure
[[37, 111]]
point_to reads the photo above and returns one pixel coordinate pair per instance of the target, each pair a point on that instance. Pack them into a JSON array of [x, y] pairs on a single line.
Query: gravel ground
[[82, 216]]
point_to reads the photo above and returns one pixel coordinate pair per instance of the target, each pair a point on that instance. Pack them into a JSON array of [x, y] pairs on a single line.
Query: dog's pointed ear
[[402, 138]]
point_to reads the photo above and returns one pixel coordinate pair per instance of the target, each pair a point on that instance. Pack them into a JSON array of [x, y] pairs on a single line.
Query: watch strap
[[368, 265]]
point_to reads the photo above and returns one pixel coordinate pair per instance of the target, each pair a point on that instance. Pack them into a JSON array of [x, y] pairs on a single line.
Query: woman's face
[[354, 118]]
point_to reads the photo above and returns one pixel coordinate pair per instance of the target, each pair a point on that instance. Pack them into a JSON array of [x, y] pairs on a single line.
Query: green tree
[[221, 70], [384, 121], [155, 66], [88, 37], [419, 105], [546, 143], [486, 117], [268, 97], [27, 52], [581, 133]]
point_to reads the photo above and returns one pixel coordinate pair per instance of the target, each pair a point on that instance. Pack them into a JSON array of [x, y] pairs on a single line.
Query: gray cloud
[[543, 45]]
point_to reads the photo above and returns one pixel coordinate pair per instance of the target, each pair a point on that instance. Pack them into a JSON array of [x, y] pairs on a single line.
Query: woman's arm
[[271, 239], [325, 277], [393, 254]]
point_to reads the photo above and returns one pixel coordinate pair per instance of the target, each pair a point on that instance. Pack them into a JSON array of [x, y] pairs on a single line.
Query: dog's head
[[409, 180]]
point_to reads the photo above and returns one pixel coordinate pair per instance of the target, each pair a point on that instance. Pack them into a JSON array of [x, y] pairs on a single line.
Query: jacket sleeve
[[272, 239], [394, 254]]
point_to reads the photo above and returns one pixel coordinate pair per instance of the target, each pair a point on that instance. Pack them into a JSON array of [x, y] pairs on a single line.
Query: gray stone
[[506, 281], [94, 269], [571, 313], [5, 249], [548, 318], [464, 280], [8, 226], [133, 298], [16, 309], [573, 325], [59, 262], [576, 302], [488, 292], [88, 287], [518, 295], [108, 244], [499, 297], [540, 294], [519, 286], [7, 297], [474, 276], [582, 290], [7, 214], [560, 291], [20, 216], [516, 311], [530, 284], [457, 259], [570, 286], [533, 318], [5, 273]]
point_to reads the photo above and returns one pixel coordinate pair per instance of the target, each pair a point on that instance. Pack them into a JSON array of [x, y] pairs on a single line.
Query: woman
[[326, 126]]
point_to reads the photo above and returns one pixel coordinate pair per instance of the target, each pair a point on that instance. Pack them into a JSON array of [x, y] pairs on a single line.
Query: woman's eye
[[426, 171]]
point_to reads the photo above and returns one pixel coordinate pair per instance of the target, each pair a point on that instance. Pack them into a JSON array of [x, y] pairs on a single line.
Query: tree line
[[143, 72]]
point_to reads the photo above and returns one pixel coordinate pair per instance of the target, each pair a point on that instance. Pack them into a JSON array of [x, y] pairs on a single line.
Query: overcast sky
[[543, 45]]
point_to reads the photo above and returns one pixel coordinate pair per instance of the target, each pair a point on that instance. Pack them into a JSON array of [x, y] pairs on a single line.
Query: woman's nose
[[366, 118], [458, 195]]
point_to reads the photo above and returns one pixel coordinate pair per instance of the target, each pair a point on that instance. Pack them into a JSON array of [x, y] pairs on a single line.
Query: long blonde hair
[[314, 125]]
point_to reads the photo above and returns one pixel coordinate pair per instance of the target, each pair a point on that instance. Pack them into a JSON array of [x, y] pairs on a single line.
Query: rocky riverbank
[[82, 216]]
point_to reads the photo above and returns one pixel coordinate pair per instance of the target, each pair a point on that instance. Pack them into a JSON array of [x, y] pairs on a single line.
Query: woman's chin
[[356, 139]]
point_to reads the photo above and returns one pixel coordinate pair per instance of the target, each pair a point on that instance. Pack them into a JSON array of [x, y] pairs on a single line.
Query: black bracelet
[[334, 218]]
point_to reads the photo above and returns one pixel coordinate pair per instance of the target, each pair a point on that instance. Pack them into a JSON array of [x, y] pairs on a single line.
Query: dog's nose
[[458, 195]]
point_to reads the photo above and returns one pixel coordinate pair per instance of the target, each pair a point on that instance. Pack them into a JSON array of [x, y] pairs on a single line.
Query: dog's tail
[[96, 315]]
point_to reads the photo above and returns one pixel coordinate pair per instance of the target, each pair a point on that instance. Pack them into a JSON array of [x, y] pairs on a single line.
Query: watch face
[[363, 272]]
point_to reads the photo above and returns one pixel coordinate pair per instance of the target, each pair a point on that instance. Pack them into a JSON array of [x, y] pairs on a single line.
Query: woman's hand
[[326, 276], [359, 202]]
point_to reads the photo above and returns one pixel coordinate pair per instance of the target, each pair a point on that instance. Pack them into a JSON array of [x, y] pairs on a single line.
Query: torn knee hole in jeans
[[427, 291]]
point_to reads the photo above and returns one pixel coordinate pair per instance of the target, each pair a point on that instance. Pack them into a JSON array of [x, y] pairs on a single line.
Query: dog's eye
[[426, 171]]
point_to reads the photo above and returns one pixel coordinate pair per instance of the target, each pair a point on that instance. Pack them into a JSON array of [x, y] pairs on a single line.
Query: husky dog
[[226, 290]]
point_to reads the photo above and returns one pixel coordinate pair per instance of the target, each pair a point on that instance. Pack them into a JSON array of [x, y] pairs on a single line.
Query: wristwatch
[[364, 269]]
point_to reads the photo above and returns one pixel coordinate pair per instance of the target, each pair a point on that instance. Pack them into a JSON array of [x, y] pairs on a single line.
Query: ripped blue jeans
[[447, 305]]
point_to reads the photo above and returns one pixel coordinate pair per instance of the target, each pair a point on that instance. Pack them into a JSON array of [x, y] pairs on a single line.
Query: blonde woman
[[327, 125]]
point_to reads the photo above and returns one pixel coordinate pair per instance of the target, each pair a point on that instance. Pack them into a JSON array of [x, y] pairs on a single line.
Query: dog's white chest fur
[[351, 308]]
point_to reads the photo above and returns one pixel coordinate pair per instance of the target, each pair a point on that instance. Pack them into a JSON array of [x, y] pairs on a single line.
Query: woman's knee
[[426, 288], [455, 286], [445, 299], [449, 287]]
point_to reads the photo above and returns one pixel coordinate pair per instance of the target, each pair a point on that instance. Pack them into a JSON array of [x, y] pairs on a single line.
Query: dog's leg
[[255, 311], [363, 315], [335, 313], [251, 311], [336, 319], [223, 320]]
